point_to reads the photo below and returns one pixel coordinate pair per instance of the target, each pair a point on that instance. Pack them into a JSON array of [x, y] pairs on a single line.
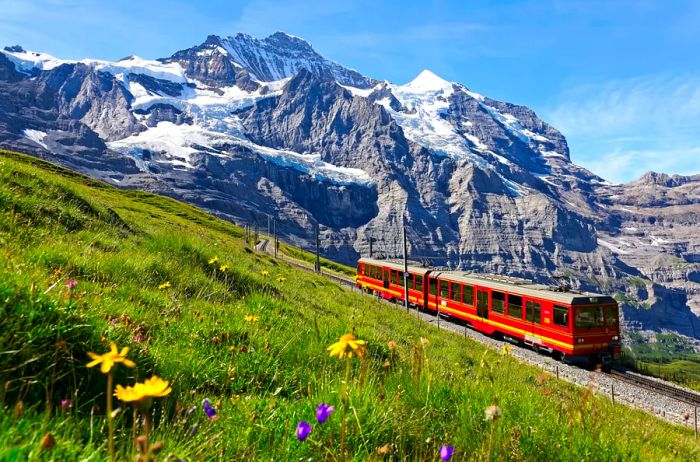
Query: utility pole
[[247, 235], [274, 230], [370, 246], [255, 236], [317, 263], [405, 268]]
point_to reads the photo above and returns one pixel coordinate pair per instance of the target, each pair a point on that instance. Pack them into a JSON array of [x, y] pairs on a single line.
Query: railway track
[[657, 386], [684, 398]]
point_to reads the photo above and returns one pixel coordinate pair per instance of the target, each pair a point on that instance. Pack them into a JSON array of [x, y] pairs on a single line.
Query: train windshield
[[612, 316], [589, 316]]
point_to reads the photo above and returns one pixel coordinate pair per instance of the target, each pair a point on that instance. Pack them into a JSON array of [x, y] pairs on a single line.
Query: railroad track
[[621, 375], [662, 388]]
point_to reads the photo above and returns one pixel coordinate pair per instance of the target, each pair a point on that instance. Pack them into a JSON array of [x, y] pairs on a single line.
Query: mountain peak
[[283, 36], [428, 81]]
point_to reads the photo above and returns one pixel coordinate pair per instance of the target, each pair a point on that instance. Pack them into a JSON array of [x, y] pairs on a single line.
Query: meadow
[[242, 340]]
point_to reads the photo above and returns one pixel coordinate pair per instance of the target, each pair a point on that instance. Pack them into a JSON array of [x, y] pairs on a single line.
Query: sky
[[620, 79]]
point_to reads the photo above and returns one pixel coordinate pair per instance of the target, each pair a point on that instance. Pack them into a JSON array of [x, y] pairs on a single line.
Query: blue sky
[[620, 79]]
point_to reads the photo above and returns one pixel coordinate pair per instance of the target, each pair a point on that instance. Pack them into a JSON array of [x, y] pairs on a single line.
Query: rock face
[[249, 128]]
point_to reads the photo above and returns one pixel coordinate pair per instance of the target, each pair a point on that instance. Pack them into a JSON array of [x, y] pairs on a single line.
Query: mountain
[[249, 128]]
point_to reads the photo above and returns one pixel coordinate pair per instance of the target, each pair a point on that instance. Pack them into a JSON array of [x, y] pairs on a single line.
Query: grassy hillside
[[144, 280]]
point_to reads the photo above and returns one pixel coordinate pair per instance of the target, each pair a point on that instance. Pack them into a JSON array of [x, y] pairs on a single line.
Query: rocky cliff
[[249, 128]]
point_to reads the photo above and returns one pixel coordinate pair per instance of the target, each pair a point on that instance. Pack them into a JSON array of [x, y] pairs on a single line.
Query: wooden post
[[274, 228], [317, 262], [557, 366], [612, 392], [405, 271]]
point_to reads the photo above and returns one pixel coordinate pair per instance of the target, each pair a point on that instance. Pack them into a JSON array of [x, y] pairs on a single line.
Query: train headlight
[[580, 340], [615, 338]]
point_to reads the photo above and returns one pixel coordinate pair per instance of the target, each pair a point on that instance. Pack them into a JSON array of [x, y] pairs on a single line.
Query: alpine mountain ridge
[[249, 128]]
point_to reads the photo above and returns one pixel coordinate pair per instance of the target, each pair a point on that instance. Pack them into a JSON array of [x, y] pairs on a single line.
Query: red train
[[572, 324]]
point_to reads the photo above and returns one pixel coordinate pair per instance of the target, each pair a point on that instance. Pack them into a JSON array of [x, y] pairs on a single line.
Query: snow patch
[[26, 61], [36, 136], [611, 246], [362, 92], [176, 144]]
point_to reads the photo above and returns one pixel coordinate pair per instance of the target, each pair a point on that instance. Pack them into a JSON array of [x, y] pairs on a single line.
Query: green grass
[[120, 246], [670, 357], [309, 257]]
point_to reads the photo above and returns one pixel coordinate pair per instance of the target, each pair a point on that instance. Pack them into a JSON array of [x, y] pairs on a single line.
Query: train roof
[[524, 287], [506, 283], [412, 267]]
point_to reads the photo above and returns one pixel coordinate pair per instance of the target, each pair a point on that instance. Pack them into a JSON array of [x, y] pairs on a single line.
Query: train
[[558, 321]]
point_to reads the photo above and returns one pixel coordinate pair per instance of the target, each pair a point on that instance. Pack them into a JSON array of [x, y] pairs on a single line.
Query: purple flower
[[303, 430], [208, 409], [194, 429], [72, 283], [323, 412], [66, 404], [446, 452]]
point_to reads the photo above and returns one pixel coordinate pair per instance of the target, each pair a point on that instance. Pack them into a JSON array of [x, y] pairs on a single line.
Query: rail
[[662, 388]]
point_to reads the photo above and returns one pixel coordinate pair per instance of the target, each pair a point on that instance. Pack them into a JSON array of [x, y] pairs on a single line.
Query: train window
[[611, 316], [589, 316], [561, 316], [433, 286], [468, 295], [419, 283], [515, 306], [455, 291], [498, 301], [443, 290], [394, 276], [399, 276], [533, 312]]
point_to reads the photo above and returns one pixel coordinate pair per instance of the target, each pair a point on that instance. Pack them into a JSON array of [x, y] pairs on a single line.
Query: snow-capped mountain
[[248, 127]]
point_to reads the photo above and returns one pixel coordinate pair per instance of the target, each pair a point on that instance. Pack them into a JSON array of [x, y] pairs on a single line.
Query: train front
[[596, 328]]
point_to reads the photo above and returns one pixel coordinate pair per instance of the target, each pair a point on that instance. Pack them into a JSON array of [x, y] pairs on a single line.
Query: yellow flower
[[264, 273], [347, 345], [424, 341], [281, 278], [251, 318], [506, 349], [110, 358], [165, 285], [155, 387], [224, 268], [214, 261]]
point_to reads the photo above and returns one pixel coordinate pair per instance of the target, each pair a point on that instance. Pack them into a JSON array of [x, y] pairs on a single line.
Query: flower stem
[[493, 427], [146, 424], [346, 402], [110, 441]]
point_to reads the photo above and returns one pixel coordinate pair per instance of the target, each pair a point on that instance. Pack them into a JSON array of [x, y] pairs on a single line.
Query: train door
[[482, 303], [533, 317]]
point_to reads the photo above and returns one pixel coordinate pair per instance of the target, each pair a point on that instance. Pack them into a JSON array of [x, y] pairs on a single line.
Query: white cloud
[[621, 166], [623, 128]]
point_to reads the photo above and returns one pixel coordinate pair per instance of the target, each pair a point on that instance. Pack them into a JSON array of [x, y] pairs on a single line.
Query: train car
[[571, 324], [385, 278]]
